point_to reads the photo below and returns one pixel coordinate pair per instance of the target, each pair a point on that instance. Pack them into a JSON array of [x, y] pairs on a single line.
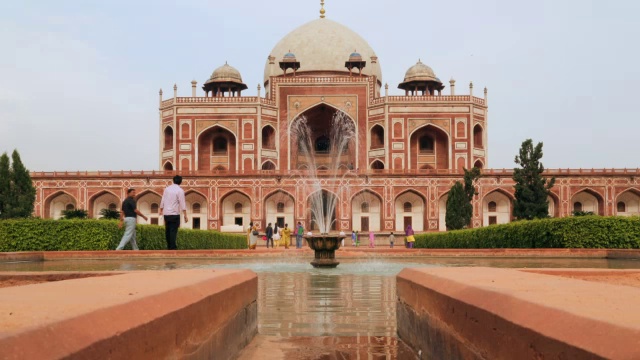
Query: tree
[[110, 214], [459, 208], [5, 185], [23, 193], [532, 190]]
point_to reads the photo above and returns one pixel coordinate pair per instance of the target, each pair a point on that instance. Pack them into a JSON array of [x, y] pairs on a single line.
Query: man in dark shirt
[[128, 216], [269, 234]]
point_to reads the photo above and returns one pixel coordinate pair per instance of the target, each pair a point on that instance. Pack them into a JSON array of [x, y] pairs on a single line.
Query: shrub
[[75, 214], [87, 235], [109, 214], [570, 232]]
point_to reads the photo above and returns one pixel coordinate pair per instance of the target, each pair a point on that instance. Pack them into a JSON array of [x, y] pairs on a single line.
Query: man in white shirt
[[172, 204]]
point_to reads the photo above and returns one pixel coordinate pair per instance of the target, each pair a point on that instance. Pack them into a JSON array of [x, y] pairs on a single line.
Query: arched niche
[[413, 215], [59, 202], [366, 211], [232, 214], [429, 145], [496, 208], [217, 149]]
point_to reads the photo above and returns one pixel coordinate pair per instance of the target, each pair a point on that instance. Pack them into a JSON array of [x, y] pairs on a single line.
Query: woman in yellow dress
[[285, 236], [253, 239]]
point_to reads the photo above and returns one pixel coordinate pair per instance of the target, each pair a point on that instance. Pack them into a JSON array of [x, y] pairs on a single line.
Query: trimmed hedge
[[592, 232], [88, 235]]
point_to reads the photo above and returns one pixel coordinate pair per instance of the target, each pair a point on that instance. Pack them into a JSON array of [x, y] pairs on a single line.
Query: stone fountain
[[323, 200]]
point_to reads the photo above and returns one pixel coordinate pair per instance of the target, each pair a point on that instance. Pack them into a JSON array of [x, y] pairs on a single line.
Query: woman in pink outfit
[[371, 238]]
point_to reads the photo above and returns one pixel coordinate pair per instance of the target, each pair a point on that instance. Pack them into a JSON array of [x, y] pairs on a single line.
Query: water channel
[[357, 299]]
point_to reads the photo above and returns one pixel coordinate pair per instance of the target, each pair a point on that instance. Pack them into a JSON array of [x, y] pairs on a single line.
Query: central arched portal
[[324, 137], [322, 211]]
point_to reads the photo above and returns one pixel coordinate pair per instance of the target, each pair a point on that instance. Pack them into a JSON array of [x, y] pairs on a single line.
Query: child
[[357, 240], [371, 239], [391, 239], [353, 238]]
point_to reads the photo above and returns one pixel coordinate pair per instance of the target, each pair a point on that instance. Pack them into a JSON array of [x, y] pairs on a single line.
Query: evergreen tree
[[532, 190], [23, 193], [459, 208], [5, 185]]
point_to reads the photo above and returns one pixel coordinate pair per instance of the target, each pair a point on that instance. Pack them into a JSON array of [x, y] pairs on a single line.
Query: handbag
[[255, 232]]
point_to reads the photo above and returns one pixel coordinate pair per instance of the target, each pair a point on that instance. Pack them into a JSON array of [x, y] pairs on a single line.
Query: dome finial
[[322, 9]]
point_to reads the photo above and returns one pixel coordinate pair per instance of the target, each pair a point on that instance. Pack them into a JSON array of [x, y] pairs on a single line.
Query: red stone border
[[185, 314], [486, 313], [348, 252]]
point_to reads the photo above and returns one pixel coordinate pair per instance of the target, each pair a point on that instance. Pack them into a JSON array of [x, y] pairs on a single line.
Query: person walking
[[372, 242], [357, 240], [253, 236], [299, 233], [172, 204], [128, 217], [410, 238], [353, 238], [269, 234], [391, 239], [286, 236], [276, 234]]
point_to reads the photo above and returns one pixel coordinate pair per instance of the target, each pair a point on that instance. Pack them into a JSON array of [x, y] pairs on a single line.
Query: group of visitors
[[408, 240], [172, 204], [275, 236]]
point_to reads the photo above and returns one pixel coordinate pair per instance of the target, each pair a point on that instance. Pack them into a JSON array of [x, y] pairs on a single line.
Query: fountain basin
[[325, 247]]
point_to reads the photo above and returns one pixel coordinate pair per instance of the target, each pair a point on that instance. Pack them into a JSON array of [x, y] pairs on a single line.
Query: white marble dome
[[322, 45]]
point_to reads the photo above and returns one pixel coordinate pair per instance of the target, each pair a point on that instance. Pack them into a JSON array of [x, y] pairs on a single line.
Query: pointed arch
[[478, 136], [377, 165], [168, 138], [586, 198], [168, 166], [497, 207], [330, 202], [441, 140], [269, 137], [627, 203], [268, 165], [279, 208], [377, 136], [57, 202], [197, 209], [442, 211], [366, 210], [479, 164], [96, 205], [416, 217], [320, 125], [206, 157], [228, 208]]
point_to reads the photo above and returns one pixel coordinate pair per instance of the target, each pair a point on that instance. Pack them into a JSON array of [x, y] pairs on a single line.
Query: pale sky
[[79, 79]]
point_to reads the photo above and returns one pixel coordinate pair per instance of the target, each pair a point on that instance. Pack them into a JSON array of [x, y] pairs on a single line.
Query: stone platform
[[488, 313], [186, 314]]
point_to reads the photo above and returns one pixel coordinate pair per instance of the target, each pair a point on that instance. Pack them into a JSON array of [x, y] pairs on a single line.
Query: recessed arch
[[327, 208], [228, 209], [168, 166], [197, 209], [268, 165], [442, 211], [377, 136], [478, 164], [440, 158], [269, 137], [554, 204], [57, 202], [377, 165], [478, 136], [279, 208], [319, 119], [366, 211], [210, 152], [102, 200], [590, 199], [497, 207], [415, 217], [168, 138], [630, 200], [147, 201]]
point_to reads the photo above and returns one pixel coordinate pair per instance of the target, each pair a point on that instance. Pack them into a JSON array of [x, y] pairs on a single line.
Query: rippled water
[[356, 299]]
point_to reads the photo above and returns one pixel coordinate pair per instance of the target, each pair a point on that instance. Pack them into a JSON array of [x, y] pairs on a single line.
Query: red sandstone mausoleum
[[240, 162]]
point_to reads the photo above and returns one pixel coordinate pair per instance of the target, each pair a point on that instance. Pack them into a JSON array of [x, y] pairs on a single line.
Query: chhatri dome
[[322, 45]]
